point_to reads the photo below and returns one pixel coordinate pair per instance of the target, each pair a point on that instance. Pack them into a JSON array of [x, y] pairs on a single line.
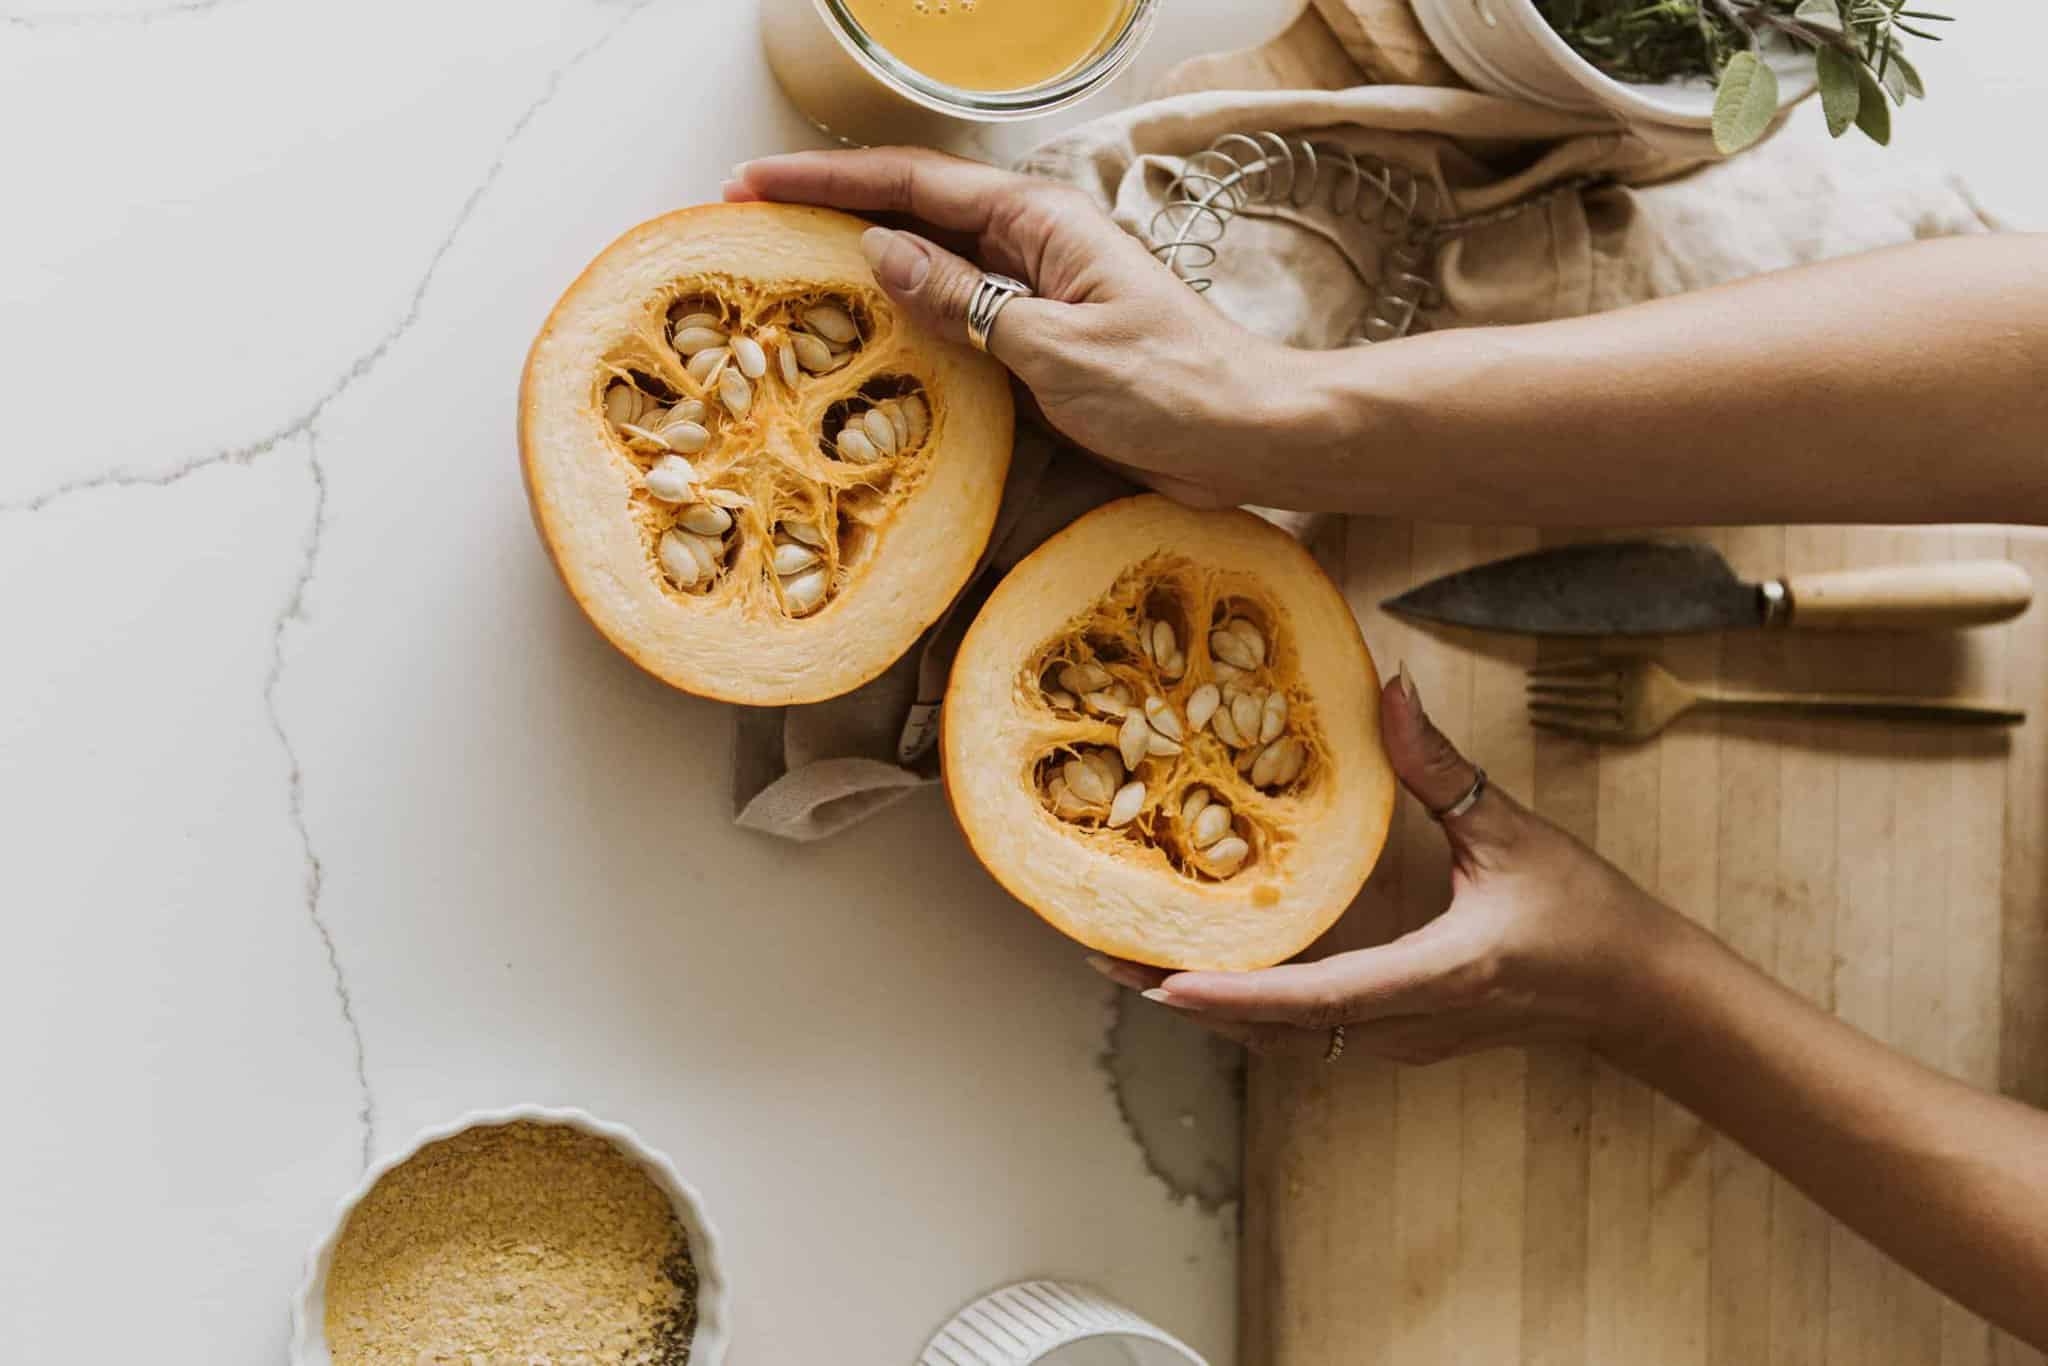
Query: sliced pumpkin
[[757, 479], [1162, 734]]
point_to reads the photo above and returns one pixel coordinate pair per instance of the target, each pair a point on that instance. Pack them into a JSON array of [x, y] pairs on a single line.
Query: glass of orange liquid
[[928, 71]]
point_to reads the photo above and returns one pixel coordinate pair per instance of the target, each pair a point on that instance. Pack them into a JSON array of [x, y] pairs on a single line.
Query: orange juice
[[989, 44]]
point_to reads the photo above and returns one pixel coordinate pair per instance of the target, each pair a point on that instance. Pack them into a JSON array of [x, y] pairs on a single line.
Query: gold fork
[[1629, 697]]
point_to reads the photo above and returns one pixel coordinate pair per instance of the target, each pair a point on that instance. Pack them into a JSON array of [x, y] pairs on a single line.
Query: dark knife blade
[[1604, 588]]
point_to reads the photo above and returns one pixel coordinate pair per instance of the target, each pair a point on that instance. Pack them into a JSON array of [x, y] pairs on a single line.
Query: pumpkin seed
[[1254, 641], [1232, 649], [1212, 823], [832, 323], [918, 414], [1293, 759], [640, 436], [1108, 704], [748, 355], [692, 340], [1160, 716], [811, 353], [1133, 739], [672, 479], [806, 533], [855, 446], [785, 360], [793, 558], [1064, 803], [880, 431], [1226, 855], [705, 365], [688, 321], [1246, 712], [1193, 804], [1060, 698], [1103, 761], [1226, 729], [735, 393], [687, 437], [688, 410], [678, 560], [621, 403], [1164, 646], [1202, 704], [730, 499], [899, 421], [1226, 673], [1273, 717], [805, 591], [705, 520], [1084, 678], [1160, 746], [1087, 782], [1123, 809]]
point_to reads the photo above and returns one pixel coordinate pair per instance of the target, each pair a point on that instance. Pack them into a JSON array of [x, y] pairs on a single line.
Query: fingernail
[[1408, 687], [898, 259], [1162, 996], [1102, 965], [739, 170]]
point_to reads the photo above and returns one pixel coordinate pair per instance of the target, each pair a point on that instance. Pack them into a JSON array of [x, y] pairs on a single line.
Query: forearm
[[1950, 1181], [1906, 385]]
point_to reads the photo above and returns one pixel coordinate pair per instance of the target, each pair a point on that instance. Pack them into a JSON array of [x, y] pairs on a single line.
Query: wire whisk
[[1239, 171]]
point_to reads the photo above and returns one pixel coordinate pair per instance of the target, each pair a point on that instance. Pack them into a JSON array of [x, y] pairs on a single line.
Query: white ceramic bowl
[[1506, 47], [714, 1314]]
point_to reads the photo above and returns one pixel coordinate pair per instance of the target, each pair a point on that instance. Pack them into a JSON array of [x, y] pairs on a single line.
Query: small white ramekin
[[714, 1313]]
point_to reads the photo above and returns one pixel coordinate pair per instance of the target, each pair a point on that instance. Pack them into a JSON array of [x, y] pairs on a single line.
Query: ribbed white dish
[[1506, 47], [714, 1314], [1026, 1323]]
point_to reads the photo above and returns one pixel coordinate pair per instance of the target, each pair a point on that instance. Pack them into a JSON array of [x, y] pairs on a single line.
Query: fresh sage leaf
[[1746, 102], [1873, 114], [1840, 91], [1909, 74], [1820, 14]]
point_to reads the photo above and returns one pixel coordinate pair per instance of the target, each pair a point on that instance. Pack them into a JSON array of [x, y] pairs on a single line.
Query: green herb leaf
[[1747, 101], [1908, 75], [1873, 115], [1819, 14], [1840, 91]]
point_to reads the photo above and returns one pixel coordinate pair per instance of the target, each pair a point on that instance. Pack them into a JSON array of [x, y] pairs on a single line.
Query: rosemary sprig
[[1854, 45]]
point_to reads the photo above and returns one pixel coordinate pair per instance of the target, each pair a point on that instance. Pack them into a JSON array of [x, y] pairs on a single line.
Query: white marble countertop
[[326, 816]]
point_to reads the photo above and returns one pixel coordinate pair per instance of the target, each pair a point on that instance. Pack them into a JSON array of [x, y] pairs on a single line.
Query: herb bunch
[[1854, 45]]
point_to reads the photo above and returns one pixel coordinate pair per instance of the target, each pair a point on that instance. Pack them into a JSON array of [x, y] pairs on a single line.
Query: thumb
[[934, 287], [1432, 769]]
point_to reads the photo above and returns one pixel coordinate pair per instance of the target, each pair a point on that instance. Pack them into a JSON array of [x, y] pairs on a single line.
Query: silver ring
[[989, 297], [1336, 1048], [1466, 802]]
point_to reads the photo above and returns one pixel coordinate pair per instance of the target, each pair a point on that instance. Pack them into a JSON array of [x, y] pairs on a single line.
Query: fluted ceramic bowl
[[714, 1315], [1507, 47]]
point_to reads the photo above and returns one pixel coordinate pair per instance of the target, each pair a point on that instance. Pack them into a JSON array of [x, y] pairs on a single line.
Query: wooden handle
[[1872, 707], [1911, 597]]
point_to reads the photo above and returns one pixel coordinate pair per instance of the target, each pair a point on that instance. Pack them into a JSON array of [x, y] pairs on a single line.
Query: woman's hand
[[1543, 941], [1121, 356]]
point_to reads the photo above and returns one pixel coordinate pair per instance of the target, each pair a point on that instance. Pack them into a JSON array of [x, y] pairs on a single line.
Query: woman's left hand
[[1543, 941]]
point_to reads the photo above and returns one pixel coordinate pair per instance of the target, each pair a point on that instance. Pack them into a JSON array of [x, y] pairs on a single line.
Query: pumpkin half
[[1162, 734], [757, 479]]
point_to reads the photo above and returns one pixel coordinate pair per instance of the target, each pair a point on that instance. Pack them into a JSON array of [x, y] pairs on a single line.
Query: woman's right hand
[[1121, 356]]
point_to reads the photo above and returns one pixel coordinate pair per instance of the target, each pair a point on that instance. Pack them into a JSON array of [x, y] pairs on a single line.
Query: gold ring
[[1336, 1048]]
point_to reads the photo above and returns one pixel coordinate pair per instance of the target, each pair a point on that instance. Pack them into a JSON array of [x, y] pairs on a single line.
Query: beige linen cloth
[[1658, 225]]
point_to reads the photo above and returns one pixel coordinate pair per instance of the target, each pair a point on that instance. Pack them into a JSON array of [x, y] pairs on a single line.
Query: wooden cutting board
[[1534, 1206]]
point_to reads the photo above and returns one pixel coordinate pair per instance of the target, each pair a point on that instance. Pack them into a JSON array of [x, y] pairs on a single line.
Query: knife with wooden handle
[[1627, 588]]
